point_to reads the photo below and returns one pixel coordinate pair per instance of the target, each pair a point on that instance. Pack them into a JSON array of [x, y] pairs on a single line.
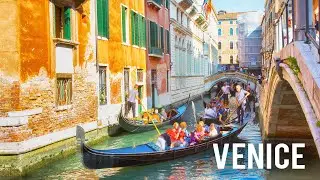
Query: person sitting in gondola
[[221, 112], [204, 126], [163, 115], [183, 126], [197, 135], [176, 135], [171, 113], [209, 112], [212, 131]]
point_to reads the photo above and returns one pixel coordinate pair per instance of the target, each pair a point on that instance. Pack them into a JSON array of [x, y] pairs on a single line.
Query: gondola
[[146, 153], [133, 127]]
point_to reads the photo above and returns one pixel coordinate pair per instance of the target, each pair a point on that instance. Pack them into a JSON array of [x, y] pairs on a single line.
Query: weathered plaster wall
[[9, 57], [118, 55], [37, 87]]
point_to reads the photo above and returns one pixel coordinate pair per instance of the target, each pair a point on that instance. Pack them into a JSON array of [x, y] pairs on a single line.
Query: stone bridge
[[290, 99], [210, 81]]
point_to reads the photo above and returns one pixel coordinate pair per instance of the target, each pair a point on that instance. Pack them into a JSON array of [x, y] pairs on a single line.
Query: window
[[154, 38], [219, 22], [231, 32], [219, 45], [220, 59], [167, 4], [219, 32], [231, 22], [103, 85], [140, 75], [231, 59], [62, 22], [237, 31], [142, 27], [231, 45], [135, 19], [103, 18], [124, 24], [64, 91], [177, 14], [126, 82], [168, 41], [161, 37]]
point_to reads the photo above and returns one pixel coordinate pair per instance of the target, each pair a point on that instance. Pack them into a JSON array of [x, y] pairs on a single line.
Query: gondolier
[[241, 96], [226, 91], [131, 102]]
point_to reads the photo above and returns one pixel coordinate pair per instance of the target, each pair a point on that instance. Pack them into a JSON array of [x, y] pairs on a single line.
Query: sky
[[239, 5]]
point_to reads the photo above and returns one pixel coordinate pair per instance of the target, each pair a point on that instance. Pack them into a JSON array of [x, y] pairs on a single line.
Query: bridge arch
[[288, 111]]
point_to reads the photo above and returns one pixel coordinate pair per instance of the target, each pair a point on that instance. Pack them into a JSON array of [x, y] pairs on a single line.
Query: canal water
[[200, 166]]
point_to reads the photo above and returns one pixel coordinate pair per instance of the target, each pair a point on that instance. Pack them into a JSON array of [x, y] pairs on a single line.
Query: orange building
[[121, 53], [48, 73]]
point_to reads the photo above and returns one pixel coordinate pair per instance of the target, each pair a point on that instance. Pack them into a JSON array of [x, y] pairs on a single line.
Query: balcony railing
[[186, 4], [156, 3], [155, 51]]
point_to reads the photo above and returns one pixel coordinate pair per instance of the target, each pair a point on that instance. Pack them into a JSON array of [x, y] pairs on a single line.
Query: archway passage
[[286, 117]]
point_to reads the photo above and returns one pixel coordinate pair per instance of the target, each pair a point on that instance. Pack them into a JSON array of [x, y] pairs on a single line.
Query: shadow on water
[[199, 166]]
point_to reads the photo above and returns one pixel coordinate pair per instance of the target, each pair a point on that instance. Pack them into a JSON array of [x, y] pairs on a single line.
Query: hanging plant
[[293, 64]]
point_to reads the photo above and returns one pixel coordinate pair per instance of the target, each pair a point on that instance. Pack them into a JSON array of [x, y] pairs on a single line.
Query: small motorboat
[[147, 153], [133, 127]]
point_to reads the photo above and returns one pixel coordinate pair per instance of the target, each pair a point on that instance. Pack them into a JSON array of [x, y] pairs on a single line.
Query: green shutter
[[54, 21], [168, 42], [106, 12], [123, 19], [161, 38], [136, 31], [67, 24], [132, 27], [144, 32]]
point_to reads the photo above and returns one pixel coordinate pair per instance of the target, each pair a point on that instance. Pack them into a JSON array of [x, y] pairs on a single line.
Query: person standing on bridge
[[241, 96]]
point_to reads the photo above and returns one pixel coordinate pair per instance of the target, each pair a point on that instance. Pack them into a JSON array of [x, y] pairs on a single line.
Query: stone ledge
[[11, 148], [28, 112], [13, 121]]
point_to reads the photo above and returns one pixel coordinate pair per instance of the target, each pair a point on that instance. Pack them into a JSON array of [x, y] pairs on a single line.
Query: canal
[[200, 166]]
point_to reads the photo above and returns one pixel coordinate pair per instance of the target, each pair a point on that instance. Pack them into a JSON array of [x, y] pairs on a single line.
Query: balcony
[[155, 3], [156, 52], [186, 4]]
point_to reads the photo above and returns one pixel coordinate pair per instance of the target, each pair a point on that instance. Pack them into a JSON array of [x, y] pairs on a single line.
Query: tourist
[[163, 115], [198, 135], [212, 131], [226, 91], [241, 96], [131, 102], [209, 112], [186, 140], [204, 126], [259, 78], [176, 135], [232, 90]]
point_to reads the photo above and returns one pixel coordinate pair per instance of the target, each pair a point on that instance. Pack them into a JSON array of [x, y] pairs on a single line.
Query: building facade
[[250, 40], [158, 52], [121, 53], [228, 38], [48, 72], [192, 48]]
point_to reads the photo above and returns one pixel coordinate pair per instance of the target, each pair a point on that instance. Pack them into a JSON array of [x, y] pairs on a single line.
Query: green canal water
[[200, 166]]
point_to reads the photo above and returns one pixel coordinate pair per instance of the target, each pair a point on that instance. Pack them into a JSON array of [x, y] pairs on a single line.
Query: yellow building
[[121, 52], [228, 38]]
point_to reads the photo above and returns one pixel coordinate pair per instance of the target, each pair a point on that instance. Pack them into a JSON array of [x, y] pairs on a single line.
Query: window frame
[[127, 24], [105, 27], [63, 76]]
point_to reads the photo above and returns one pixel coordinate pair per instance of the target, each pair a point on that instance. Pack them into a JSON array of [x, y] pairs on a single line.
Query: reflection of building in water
[[249, 40]]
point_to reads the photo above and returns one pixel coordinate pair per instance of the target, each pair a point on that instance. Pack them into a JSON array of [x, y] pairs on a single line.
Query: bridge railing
[[231, 74]]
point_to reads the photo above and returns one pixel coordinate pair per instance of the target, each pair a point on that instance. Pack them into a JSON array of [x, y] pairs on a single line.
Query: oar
[[155, 126], [194, 112]]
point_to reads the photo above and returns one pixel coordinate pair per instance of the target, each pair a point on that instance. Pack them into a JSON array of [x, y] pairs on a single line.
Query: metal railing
[[309, 36], [155, 51]]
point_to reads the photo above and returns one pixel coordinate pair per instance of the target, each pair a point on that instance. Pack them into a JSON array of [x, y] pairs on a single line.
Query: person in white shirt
[[241, 96], [210, 112], [131, 102], [226, 91]]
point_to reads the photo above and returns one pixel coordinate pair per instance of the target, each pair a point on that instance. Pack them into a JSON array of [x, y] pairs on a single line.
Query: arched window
[[231, 59], [231, 22], [219, 45], [231, 45], [220, 59], [237, 31], [231, 32], [219, 32]]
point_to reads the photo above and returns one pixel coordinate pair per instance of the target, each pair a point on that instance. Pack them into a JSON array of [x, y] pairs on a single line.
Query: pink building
[[158, 52]]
